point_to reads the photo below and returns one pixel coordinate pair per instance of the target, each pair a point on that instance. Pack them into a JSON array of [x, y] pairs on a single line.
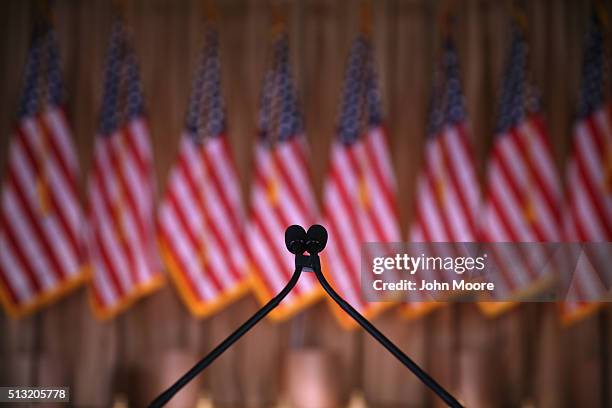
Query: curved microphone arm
[[297, 242], [382, 339], [165, 396]]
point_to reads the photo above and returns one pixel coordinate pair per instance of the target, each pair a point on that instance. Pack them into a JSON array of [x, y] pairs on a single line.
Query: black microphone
[[295, 239], [316, 239], [298, 241]]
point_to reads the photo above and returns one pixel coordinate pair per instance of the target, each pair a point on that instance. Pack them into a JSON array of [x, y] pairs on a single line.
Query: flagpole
[[119, 9], [210, 12], [446, 19], [365, 23]]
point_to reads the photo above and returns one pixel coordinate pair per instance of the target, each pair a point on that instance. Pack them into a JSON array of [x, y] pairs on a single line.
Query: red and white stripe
[[589, 205], [121, 219], [282, 195], [360, 206], [522, 203], [200, 225], [447, 192], [448, 197], [40, 244]]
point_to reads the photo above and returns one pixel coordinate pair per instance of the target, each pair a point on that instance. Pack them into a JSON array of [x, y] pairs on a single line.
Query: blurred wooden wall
[[525, 358]]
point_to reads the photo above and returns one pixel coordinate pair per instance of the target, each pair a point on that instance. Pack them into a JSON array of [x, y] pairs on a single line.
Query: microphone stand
[[165, 396], [312, 263], [382, 339]]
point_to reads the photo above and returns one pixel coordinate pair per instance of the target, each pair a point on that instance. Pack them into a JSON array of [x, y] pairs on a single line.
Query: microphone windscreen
[[295, 236], [317, 234]]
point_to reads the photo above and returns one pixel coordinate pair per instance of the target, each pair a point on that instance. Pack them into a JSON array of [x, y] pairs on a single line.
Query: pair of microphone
[[298, 241]]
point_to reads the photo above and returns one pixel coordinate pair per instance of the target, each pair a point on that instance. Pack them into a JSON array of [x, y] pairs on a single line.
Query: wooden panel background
[[525, 358]]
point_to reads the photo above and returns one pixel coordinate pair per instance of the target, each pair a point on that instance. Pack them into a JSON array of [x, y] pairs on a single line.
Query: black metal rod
[[312, 261], [388, 344], [165, 396]]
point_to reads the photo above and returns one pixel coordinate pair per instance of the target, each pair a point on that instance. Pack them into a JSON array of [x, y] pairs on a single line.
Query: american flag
[[121, 189], [40, 234], [588, 213], [359, 192], [448, 195], [200, 218], [282, 193], [522, 187]]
